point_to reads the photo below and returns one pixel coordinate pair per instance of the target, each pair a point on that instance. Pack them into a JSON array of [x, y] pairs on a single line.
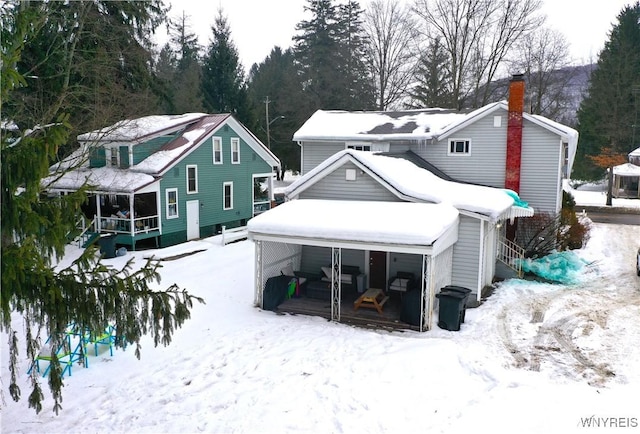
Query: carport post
[[336, 282], [258, 282], [427, 295]]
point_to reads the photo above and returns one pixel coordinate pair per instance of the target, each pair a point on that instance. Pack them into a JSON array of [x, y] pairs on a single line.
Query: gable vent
[[226, 128], [176, 172]]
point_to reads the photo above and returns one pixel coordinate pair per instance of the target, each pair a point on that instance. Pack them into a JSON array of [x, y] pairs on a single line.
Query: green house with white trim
[[169, 178]]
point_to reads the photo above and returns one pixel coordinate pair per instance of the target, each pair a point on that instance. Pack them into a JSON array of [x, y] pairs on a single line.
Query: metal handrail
[[511, 254]]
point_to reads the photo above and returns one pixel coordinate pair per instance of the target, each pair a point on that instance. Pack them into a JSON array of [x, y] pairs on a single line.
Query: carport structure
[[427, 231]]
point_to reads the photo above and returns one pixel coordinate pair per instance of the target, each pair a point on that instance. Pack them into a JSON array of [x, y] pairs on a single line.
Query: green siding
[[210, 188]]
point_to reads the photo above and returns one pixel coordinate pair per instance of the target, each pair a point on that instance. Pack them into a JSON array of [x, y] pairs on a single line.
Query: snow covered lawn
[[534, 358]]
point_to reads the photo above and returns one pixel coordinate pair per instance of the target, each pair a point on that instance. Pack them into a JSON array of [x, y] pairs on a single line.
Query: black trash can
[[450, 310], [461, 290], [108, 245], [410, 308]]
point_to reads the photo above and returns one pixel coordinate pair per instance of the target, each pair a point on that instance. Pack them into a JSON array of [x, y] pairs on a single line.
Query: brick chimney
[[514, 133]]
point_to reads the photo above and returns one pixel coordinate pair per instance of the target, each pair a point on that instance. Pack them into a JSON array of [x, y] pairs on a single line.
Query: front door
[[378, 270], [193, 219]]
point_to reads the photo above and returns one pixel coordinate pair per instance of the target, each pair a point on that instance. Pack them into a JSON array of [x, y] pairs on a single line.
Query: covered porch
[[286, 236], [120, 202], [131, 217], [626, 181]]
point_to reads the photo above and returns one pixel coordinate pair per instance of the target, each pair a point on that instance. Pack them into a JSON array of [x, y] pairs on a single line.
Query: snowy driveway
[[586, 331]]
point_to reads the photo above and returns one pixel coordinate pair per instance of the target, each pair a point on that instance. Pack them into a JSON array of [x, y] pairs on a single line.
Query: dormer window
[[113, 157]]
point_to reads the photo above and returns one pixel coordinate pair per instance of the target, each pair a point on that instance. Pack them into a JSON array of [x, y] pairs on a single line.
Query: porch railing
[[511, 254], [260, 207], [133, 226], [86, 231]]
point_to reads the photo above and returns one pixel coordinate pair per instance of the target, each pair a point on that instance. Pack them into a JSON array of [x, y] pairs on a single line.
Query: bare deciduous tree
[[392, 49], [478, 35], [544, 59]]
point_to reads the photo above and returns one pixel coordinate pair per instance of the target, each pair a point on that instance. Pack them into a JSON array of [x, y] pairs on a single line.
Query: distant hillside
[[562, 98]]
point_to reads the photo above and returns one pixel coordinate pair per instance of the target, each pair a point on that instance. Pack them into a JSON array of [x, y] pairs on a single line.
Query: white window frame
[[217, 142], [235, 153], [453, 151], [195, 172], [113, 152], [168, 205], [224, 195], [360, 147]]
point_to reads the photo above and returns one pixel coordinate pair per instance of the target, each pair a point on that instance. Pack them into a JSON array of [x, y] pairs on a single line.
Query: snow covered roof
[[344, 125], [415, 125], [415, 184], [102, 179], [194, 134], [635, 153], [137, 130], [372, 222], [626, 169], [197, 128]]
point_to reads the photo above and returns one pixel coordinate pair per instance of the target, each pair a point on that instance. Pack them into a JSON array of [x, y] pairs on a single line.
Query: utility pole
[[266, 103]]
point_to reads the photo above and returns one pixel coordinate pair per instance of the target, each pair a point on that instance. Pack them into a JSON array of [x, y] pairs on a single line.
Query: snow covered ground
[[534, 358]]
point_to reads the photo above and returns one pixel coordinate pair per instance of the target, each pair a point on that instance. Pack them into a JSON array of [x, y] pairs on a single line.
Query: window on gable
[[460, 146], [172, 203], [217, 150], [235, 151], [192, 179], [360, 147], [227, 195]]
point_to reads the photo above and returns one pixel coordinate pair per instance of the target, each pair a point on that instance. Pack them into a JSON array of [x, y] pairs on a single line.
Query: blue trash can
[[108, 245]]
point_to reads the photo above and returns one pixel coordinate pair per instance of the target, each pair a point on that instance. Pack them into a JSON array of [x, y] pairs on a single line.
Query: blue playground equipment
[[73, 348]]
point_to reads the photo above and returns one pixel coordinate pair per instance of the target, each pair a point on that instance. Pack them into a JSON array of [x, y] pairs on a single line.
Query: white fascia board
[[354, 245], [446, 240]]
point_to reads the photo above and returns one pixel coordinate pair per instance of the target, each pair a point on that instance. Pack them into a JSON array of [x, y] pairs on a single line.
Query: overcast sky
[[258, 25]]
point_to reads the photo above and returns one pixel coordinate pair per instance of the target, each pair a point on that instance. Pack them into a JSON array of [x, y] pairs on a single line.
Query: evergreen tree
[[352, 52], [36, 227], [165, 69], [330, 53], [276, 78], [187, 77], [223, 82], [315, 52], [433, 79], [608, 115], [91, 59]]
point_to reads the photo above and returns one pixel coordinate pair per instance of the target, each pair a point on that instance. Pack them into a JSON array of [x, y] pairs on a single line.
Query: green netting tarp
[[516, 199], [563, 267]]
